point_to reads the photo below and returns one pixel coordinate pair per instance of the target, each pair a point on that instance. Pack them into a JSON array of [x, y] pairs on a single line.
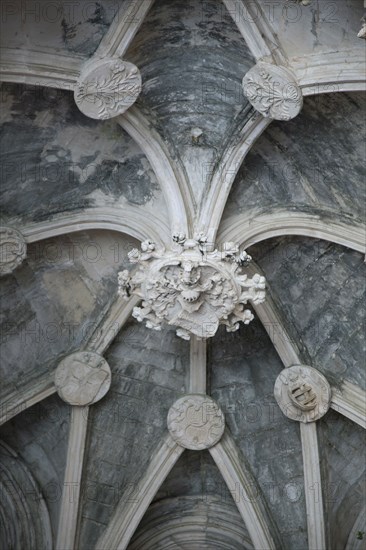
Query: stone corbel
[[273, 91], [107, 87], [13, 249]]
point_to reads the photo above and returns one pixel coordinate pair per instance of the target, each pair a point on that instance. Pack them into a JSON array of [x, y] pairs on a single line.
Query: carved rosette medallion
[[192, 288], [196, 422], [107, 88], [273, 91], [13, 249], [302, 393], [82, 378]]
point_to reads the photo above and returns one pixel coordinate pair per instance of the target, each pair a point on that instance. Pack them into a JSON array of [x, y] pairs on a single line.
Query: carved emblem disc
[[273, 91], [13, 249], [302, 393], [107, 88], [82, 378], [196, 422]]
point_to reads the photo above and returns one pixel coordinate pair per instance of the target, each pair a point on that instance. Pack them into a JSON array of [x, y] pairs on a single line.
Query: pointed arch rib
[[131, 509], [98, 341], [169, 173], [253, 228], [131, 221], [239, 480], [223, 178]]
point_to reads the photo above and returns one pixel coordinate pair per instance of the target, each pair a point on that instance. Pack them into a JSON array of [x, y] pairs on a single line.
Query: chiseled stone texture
[[342, 455], [53, 302], [320, 289], [148, 374], [295, 165], [55, 159], [39, 435], [68, 28], [192, 58], [244, 366]]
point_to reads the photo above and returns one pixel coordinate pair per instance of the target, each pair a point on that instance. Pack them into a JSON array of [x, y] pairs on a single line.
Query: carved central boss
[[191, 287]]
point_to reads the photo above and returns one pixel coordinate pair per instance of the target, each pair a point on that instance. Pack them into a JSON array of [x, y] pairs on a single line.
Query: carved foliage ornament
[[13, 249], [192, 288], [196, 422], [302, 393], [273, 91], [107, 88], [82, 378]]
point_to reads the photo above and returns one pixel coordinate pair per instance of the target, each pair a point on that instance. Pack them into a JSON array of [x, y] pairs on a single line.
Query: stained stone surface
[[243, 368], [284, 170], [320, 289], [72, 28], [148, 374], [53, 302], [342, 456], [56, 160], [185, 88], [39, 435]]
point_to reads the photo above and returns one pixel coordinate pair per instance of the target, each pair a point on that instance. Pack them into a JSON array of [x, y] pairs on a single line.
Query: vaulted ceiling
[[193, 154]]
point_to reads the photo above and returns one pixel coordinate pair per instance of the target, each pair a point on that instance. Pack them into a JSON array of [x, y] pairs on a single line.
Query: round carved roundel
[[13, 249], [302, 393], [196, 422], [82, 378], [107, 88]]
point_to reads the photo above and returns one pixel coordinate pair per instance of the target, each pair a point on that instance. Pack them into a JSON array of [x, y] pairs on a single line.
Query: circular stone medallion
[[13, 249], [196, 422], [82, 378], [302, 393], [273, 91], [107, 88]]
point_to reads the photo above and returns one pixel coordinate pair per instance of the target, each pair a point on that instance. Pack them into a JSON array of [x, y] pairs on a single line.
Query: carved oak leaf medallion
[[273, 91], [107, 88]]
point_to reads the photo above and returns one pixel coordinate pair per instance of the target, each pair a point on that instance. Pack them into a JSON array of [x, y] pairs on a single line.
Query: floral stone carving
[[273, 91], [82, 378], [196, 422], [191, 287], [13, 249], [107, 88], [302, 393]]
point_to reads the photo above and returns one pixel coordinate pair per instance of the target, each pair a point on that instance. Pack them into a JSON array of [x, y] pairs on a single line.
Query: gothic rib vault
[[184, 136]]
